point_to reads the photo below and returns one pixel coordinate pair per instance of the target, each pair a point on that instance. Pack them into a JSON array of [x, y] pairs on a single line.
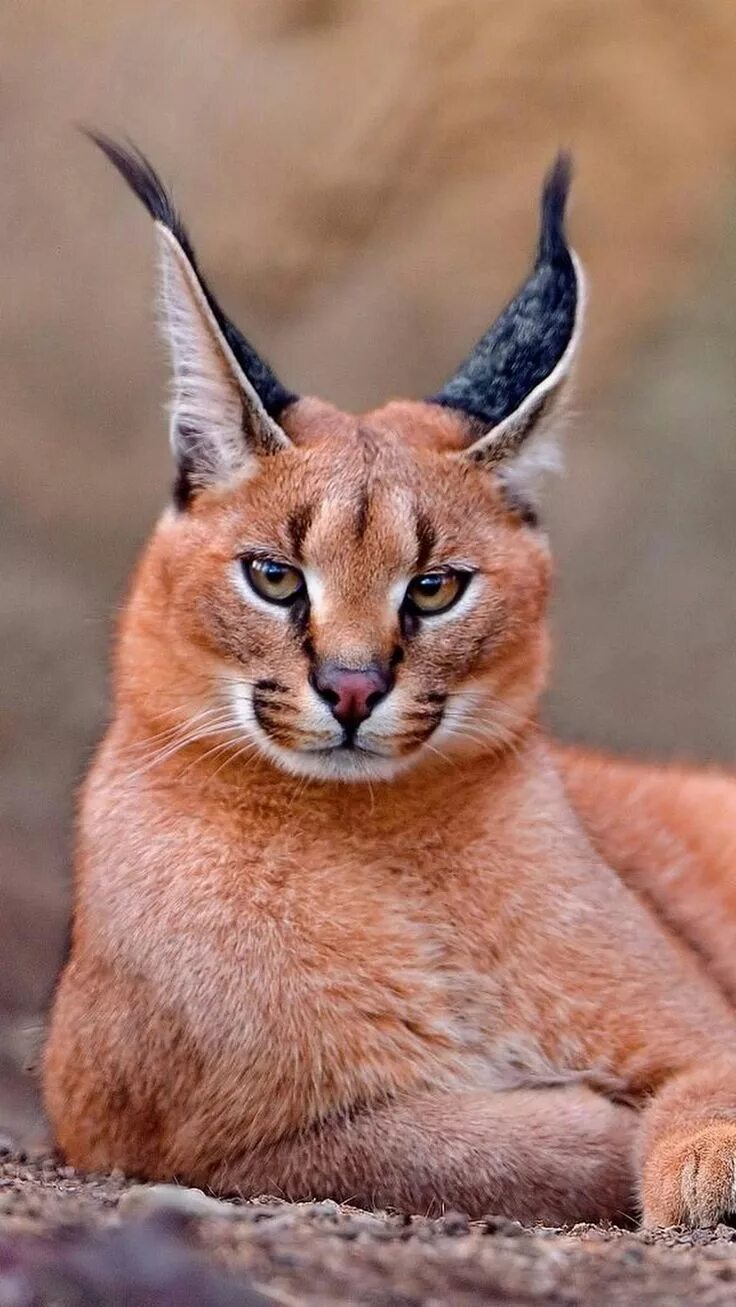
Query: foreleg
[[539, 1155]]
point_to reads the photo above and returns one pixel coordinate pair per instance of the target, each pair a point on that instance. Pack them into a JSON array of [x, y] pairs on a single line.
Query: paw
[[690, 1178]]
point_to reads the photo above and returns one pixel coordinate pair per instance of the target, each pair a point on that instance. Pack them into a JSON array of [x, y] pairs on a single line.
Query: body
[[257, 956], [346, 924]]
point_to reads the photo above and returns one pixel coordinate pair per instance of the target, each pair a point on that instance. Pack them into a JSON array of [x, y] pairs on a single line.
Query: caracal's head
[[348, 596]]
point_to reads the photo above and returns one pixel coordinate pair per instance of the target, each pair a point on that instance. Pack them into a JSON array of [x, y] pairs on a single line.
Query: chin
[[348, 765]]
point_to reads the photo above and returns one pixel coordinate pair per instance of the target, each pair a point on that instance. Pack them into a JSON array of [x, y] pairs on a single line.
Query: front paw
[[690, 1177]]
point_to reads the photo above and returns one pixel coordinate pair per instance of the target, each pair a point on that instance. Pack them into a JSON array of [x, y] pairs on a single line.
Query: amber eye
[[434, 592], [275, 581]]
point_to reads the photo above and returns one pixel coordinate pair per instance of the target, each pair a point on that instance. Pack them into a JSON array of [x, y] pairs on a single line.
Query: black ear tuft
[[527, 342], [144, 181], [552, 240]]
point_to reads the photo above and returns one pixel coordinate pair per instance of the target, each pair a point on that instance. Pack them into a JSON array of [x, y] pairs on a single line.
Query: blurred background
[[361, 180]]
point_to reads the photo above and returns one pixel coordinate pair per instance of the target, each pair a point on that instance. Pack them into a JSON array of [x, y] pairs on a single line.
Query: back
[[670, 832]]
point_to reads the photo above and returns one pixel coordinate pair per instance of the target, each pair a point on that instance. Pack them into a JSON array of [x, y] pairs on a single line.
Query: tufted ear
[[513, 382], [226, 399]]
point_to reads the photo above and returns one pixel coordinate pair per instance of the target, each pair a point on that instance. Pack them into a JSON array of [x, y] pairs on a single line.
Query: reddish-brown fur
[[501, 978]]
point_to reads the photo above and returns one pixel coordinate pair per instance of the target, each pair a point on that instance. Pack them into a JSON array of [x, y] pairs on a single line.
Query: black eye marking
[[299, 616], [408, 622]]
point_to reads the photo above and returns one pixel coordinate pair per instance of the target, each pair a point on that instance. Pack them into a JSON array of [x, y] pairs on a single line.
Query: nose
[[352, 693]]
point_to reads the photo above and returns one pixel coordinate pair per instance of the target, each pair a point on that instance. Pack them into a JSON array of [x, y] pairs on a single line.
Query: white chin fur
[[334, 764]]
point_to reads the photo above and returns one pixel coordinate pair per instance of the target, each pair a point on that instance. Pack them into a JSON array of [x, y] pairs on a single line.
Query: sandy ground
[[76, 1241]]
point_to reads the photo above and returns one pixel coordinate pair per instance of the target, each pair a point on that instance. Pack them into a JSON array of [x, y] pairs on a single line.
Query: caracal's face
[[344, 596], [359, 602]]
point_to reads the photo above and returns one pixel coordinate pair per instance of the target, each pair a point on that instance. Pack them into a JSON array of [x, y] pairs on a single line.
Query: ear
[[226, 399], [513, 383], [219, 424]]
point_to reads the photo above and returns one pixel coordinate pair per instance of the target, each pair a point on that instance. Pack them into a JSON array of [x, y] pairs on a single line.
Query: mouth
[[348, 747], [352, 759], [345, 760], [351, 743]]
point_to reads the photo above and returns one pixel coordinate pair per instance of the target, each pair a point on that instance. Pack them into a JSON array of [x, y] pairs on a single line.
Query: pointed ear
[[513, 383], [218, 422], [226, 399]]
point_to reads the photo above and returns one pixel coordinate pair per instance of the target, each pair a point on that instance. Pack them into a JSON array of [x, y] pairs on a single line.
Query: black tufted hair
[[144, 181], [530, 337]]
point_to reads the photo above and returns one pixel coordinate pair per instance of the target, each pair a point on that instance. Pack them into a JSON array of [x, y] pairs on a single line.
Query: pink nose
[[352, 693]]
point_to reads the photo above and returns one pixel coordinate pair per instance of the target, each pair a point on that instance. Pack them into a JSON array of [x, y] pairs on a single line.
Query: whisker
[[162, 755], [248, 749], [212, 753], [171, 731], [445, 757]]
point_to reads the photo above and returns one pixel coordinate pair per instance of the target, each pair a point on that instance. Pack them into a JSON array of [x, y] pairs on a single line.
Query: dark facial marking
[[267, 717], [266, 684], [299, 615], [426, 539], [423, 714], [369, 448], [362, 515], [310, 653], [297, 525], [408, 622]]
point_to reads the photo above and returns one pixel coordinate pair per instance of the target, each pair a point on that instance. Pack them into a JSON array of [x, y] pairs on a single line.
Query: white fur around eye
[[397, 593], [317, 592]]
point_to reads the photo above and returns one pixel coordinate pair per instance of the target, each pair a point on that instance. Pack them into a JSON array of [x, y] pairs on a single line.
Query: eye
[[274, 581], [435, 592]]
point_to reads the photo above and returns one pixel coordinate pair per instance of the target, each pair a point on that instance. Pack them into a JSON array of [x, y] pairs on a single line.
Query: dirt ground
[[75, 1241]]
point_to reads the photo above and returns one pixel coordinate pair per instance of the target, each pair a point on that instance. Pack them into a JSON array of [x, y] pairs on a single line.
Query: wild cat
[[346, 924]]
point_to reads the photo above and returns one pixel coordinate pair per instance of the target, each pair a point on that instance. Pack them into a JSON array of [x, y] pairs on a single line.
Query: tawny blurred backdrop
[[361, 180]]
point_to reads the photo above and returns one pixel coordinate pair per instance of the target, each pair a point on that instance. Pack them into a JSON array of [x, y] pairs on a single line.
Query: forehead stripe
[[362, 515], [297, 525], [426, 539]]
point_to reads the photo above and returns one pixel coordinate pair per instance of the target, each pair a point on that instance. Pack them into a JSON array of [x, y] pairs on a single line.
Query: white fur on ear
[[524, 445], [523, 475], [218, 422]]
